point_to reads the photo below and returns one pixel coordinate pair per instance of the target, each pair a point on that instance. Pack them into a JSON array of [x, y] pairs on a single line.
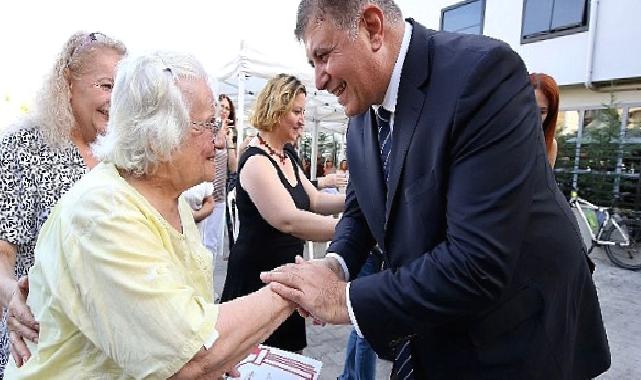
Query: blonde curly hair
[[52, 112], [275, 100]]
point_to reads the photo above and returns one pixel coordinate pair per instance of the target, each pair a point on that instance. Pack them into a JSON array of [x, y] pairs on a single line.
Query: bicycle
[[621, 237]]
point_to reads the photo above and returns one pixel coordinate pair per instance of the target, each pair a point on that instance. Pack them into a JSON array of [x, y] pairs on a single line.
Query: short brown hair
[[275, 100]]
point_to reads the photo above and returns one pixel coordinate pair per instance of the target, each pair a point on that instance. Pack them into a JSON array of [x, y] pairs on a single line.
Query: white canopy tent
[[246, 74]]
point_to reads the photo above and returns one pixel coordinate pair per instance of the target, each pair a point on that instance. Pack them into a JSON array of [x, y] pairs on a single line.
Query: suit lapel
[[409, 106]]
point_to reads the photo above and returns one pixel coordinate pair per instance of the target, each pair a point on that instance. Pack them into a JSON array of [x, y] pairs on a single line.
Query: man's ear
[[372, 20]]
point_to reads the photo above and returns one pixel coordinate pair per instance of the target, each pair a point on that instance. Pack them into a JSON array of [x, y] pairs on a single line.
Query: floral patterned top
[[33, 177]]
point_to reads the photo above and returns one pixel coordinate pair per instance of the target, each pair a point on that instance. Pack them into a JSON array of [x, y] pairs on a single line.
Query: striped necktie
[[384, 139], [402, 369]]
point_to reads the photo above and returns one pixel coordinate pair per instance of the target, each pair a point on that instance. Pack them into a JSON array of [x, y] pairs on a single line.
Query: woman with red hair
[[547, 98]]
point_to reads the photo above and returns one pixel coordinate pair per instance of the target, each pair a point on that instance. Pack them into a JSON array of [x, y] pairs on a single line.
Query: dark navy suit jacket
[[487, 272]]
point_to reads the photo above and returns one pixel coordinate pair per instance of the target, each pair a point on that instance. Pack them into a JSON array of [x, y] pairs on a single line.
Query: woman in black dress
[[277, 205]]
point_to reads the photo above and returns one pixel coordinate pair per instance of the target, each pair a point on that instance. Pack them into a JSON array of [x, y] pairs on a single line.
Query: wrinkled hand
[[332, 264], [313, 287], [20, 323]]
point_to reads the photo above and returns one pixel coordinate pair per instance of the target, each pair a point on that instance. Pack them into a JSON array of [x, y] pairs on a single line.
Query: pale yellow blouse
[[118, 292]]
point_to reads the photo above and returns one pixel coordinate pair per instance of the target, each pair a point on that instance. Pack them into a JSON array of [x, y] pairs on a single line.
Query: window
[[633, 127], [464, 17], [567, 127], [544, 19]]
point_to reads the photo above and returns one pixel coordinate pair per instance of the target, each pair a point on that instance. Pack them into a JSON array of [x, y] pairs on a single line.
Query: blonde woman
[[42, 157], [277, 205]]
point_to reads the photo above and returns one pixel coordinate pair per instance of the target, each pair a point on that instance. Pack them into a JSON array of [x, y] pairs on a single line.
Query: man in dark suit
[[486, 274]]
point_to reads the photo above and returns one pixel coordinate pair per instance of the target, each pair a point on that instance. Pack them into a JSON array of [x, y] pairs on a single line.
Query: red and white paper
[[271, 363]]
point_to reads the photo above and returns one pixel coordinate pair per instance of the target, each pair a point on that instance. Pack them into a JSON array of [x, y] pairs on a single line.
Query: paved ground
[[619, 294], [620, 297]]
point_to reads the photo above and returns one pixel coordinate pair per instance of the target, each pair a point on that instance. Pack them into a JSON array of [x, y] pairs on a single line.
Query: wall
[[574, 98], [617, 54]]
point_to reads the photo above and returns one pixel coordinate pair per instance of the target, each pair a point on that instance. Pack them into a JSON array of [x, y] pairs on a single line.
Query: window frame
[[462, 4], [558, 33]]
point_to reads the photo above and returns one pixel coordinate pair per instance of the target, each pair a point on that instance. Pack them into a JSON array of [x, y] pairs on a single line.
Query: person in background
[[320, 167], [201, 201], [329, 181], [226, 163], [329, 167], [307, 168], [42, 157], [547, 98], [122, 285], [342, 167], [278, 207], [344, 171], [232, 168]]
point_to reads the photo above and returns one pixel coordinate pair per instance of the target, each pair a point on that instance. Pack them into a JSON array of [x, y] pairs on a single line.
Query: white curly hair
[[149, 113], [52, 113]]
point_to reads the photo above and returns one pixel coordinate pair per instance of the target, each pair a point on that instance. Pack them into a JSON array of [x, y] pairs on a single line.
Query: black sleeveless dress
[[261, 247]]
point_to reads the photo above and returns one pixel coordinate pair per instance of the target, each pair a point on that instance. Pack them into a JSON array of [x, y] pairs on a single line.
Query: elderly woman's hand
[[20, 323]]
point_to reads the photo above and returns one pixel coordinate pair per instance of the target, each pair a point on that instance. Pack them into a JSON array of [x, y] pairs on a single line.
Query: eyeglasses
[[213, 125], [88, 40]]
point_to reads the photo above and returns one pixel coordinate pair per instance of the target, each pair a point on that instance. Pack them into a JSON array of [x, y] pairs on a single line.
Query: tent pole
[[240, 111], [314, 157]]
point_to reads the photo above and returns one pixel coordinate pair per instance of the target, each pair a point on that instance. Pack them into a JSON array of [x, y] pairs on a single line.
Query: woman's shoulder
[[255, 153], [22, 134], [99, 193], [253, 150]]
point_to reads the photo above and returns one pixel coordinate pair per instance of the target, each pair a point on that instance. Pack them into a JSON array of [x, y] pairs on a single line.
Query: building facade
[[591, 48]]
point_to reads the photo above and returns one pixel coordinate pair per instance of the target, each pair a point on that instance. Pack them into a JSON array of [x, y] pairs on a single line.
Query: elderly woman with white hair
[[43, 155], [122, 285]]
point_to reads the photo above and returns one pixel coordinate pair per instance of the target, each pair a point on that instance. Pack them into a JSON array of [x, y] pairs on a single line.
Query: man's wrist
[[335, 266], [342, 270], [343, 317], [350, 312]]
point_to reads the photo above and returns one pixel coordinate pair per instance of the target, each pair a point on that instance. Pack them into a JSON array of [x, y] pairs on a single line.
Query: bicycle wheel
[[628, 257]]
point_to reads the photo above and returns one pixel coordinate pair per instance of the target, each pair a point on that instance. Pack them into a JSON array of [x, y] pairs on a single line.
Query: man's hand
[[20, 323], [314, 287], [332, 264]]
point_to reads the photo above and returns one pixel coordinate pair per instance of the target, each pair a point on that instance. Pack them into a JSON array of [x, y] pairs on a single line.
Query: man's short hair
[[344, 13]]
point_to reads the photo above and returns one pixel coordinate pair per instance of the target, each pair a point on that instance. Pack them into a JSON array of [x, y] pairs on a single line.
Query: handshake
[[317, 287]]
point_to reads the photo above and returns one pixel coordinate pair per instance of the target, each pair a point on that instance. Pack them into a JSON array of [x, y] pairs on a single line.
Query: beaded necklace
[[281, 156]]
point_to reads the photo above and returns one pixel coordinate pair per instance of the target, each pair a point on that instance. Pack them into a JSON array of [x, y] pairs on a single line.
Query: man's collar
[[389, 101]]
